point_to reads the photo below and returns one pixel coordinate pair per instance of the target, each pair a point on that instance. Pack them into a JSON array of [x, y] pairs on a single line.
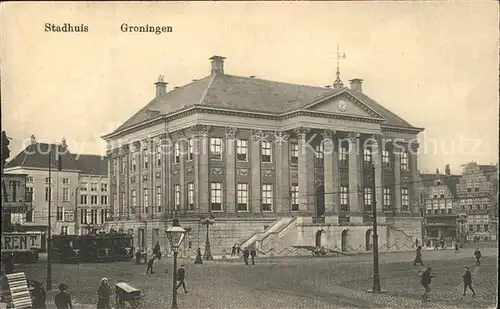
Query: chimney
[[33, 139], [447, 170], [217, 65], [356, 84], [161, 86]]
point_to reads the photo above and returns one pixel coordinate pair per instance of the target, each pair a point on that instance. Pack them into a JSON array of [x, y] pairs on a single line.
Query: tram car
[[105, 247]]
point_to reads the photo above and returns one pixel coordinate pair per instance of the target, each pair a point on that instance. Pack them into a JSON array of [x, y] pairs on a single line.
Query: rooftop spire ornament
[[338, 83]]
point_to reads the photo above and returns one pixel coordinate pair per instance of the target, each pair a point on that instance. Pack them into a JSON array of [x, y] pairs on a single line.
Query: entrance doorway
[[345, 240], [368, 240], [319, 238]]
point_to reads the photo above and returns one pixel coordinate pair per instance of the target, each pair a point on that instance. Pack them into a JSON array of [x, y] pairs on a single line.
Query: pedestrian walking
[[238, 249], [138, 257], [418, 257], [477, 255], [246, 254], [181, 278], [103, 295], [456, 246], [157, 250], [467, 277], [151, 261], [198, 259], [253, 254], [426, 281], [63, 299], [233, 250], [39, 295]]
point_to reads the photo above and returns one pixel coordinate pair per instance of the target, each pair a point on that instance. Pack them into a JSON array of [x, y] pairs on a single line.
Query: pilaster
[[126, 181], [255, 159], [304, 164], [283, 205], [414, 201], [204, 170], [397, 180], [151, 177], [164, 171], [182, 173], [195, 135], [331, 177], [230, 171], [377, 161], [354, 187], [138, 178]]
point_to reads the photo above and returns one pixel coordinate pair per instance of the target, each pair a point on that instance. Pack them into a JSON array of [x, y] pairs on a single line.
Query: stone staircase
[[257, 238], [281, 238], [400, 237]]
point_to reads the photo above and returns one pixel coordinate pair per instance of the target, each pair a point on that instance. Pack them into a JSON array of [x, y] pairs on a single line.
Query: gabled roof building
[[263, 157]]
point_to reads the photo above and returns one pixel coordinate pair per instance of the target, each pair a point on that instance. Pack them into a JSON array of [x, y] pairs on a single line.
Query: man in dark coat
[[477, 254], [39, 296], [157, 250], [418, 258], [467, 276], [63, 299], [181, 277], [246, 254], [233, 250], [149, 270], [253, 254], [426, 281]]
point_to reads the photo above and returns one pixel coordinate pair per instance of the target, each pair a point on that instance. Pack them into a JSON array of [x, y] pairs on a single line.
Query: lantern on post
[[175, 235]]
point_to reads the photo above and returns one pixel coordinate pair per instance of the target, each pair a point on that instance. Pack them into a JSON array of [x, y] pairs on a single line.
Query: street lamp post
[[376, 277], [175, 235], [207, 222]]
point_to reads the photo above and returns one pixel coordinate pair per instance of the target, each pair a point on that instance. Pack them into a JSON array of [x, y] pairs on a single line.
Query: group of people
[[426, 276], [252, 253], [62, 300]]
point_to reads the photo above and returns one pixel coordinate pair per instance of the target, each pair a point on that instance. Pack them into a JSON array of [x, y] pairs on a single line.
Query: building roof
[[36, 155], [451, 181], [248, 94], [91, 164]]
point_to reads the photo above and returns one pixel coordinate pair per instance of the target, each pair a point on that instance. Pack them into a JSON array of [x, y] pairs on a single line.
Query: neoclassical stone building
[[276, 164]]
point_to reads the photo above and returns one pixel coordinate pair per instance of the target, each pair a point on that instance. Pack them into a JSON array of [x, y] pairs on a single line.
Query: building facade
[[268, 160], [478, 201], [66, 183], [441, 209]]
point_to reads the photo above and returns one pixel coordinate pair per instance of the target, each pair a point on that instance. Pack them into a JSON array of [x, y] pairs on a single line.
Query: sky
[[435, 64]]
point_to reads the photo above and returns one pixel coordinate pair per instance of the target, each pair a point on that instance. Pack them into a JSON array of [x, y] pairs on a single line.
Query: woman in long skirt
[[104, 294], [418, 258]]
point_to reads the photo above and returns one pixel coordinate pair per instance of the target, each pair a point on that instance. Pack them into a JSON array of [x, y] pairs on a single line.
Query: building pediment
[[343, 103]]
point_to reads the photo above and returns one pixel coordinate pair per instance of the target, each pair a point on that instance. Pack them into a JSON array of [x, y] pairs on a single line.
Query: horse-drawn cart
[[126, 293]]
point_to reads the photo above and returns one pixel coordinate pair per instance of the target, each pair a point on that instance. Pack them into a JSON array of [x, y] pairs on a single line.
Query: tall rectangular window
[[344, 199], [319, 151], [266, 151], [47, 194], [177, 152], [93, 216], [242, 150], [367, 155], [386, 161], [404, 160], [145, 200], [294, 153], [177, 197], [104, 200], [133, 198], [158, 199], [387, 198], [267, 197], [190, 187], [216, 196], [30, 194], [83, 216], [103, 216], [93, 200], [343, 156], [191, 149], [83, 199], [367, 198], [294, 197], [404, 200], [60, 214], [158, 155], [65, 194], [242, 196], [134, 163], [145, 158], [216, 148]]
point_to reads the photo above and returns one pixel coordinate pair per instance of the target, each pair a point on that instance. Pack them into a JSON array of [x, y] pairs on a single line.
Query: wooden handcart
[[126, 293]]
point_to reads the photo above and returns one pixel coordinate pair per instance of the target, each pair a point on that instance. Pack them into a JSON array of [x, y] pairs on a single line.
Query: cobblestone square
[[289, 282]]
